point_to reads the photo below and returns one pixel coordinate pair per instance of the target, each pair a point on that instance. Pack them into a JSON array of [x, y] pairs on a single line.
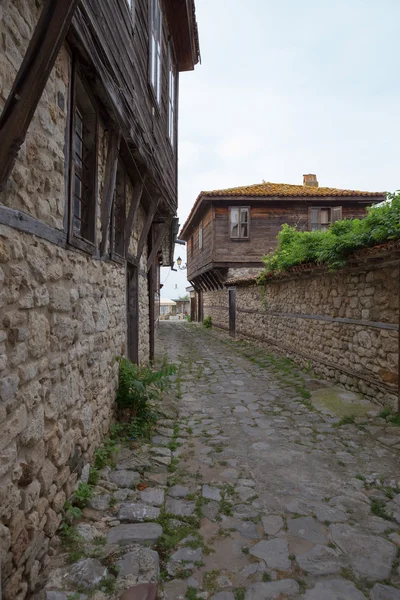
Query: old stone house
[[88, 180], [228, 231]]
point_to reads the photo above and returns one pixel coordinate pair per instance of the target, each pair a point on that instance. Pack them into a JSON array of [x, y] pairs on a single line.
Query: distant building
[[228, 231], [167, 308]]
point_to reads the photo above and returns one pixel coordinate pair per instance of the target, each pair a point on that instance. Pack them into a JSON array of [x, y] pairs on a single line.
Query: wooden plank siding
[[203, 256], [266, 219], [107, 26], [265, 224]]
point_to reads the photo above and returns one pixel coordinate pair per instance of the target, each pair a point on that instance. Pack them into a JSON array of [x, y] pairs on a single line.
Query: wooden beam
[[159, 240], [23, 222], [40, 57], [209, 281], [216, 280], [146, 228], [110, 177], [133, 209]]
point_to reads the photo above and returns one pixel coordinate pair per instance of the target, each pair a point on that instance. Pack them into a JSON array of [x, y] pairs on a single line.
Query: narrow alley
[[248, 489], [295, 503]]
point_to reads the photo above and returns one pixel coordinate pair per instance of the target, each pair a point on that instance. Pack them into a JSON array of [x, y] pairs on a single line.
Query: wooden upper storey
[[226, 231], [118, 50]]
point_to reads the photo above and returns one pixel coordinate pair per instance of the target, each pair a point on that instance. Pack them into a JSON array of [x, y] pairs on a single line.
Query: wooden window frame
[[172, 94], [331, 220], [201, 235], [239, 238], [86, 244], [155, 35], [121, 183]]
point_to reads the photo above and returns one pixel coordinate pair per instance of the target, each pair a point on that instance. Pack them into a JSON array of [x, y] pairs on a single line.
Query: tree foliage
[[333, 246]]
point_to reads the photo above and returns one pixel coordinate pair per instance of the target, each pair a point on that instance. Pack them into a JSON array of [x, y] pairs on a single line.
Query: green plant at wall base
[[207, 322], [332, 247], [83, 494], [138, 385]]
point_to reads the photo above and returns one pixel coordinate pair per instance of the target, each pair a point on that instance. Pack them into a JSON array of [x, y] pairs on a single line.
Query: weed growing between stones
[[346, 420], [386, 414], [266, 577], [378, 508], [207, 323], [239, 593]]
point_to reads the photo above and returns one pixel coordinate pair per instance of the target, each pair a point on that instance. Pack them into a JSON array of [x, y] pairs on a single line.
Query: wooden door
[[232, 312], [132, 317]]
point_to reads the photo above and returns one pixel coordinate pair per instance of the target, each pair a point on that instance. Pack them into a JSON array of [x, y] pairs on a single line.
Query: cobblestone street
[[249, 489], [295, 503]]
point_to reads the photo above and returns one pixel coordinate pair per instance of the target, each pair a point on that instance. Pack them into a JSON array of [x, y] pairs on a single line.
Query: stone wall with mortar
[[343, 324], [62, 324]]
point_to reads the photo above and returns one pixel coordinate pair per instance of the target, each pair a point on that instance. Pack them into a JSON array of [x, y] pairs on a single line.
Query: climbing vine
[[332, 247]]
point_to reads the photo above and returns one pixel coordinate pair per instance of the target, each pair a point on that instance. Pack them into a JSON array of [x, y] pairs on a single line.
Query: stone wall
[[62, 325], [344, 324]]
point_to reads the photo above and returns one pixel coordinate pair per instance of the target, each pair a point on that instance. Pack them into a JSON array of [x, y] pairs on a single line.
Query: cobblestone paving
[[246, 492], [294, 504]]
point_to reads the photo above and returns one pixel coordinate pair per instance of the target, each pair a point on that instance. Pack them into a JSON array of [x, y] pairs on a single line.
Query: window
[[155, 48], [239, 218], [321, 217], [171, 97], [83, 168], [201, 235], [118, 218]]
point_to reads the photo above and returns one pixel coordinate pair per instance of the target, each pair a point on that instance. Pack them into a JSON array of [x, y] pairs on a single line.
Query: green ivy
[[333, 246], [207, 322]]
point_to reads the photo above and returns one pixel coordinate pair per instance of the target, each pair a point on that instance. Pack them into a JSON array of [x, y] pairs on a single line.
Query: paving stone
[[87, 532], [175, 589], [328, 513], [161, 451], [285, 588], [211, 510], [180, 508], [307, 529], [124, 478], [165, 432], [245, 493], [384, 592], [101, 502], [321, 560], [159, 440], [187, 555], [122, 494], [335, 589], [143, 591], [261, 446], [244, 511], [162, 460], [160, 478], [88, 573], [128, 534], [272, 524], [223, 596], [153, 496], [178, 491], [139, 561], [370, 556], [247, 482], [273, 552], [211, 493], [248, 529], [137, 511]]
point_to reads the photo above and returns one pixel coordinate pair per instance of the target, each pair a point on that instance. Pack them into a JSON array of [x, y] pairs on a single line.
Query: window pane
[[314, 215], [324, 216], [234, 222], [244, 222]]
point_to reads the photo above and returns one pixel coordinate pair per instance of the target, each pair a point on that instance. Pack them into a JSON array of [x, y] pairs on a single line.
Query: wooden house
[[88, 198], [228, 231]]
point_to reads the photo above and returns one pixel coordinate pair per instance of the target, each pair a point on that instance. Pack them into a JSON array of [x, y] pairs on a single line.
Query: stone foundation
[[343, 324]]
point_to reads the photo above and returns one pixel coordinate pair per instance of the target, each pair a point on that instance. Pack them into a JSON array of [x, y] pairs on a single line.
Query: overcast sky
[[285, 88]]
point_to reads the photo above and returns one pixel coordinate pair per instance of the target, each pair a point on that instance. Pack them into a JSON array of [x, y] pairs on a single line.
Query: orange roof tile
[[278, 190]]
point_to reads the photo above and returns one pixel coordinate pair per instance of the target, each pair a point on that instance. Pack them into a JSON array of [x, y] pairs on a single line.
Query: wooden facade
[[212, 250]]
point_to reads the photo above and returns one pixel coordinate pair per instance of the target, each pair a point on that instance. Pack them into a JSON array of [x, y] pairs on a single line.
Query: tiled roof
[[278, 190]]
